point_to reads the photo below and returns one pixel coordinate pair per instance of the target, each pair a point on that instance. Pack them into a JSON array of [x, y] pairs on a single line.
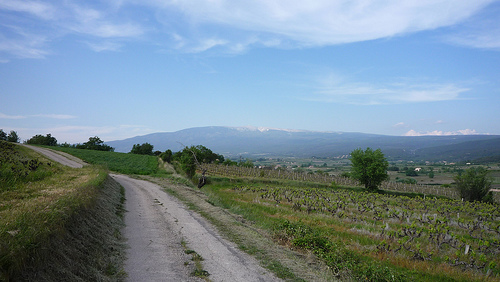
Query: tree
[[166, 156], [192, 157], [369, 167], [144, 149], [3, 135], [43, 140], [95, 143], [13, 137], [474, 184]]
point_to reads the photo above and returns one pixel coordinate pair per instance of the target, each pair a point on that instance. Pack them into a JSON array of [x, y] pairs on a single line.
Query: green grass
[[33, 212], [118, 162]]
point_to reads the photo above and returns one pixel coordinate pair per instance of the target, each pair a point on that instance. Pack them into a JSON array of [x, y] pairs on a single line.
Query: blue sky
[[122, 68]]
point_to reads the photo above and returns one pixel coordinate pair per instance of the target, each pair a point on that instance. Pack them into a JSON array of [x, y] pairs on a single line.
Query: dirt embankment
[[89, 248]]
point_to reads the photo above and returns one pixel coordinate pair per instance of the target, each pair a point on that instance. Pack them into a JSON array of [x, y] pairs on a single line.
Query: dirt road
[[159, 229], [60, 157], [157, 223]]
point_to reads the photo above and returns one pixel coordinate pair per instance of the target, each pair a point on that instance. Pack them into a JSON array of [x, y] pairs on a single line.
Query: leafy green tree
[[474, 184], [229, 162], [95, 143], [247, 163], [166, 156], [411, 172], [369, 167], [3, 135], [191, 157], [47, 140], [13, 137], [431, 174], [144, 149]]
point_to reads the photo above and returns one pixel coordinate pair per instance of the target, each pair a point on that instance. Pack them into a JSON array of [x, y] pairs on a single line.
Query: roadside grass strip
[[36, 213]]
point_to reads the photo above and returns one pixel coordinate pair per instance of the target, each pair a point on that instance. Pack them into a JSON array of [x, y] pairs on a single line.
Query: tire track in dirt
[[156, 223]]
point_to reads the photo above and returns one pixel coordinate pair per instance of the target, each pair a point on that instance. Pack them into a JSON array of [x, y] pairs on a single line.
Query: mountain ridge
[[250, 141]]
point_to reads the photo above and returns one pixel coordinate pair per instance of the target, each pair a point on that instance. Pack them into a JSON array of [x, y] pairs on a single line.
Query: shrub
[[474, 184]]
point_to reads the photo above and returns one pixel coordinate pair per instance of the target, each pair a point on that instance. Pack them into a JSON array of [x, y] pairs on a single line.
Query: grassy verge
[[42, 220]]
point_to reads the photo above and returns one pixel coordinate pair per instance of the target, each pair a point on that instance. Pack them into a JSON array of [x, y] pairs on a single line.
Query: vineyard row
[[238, 171]]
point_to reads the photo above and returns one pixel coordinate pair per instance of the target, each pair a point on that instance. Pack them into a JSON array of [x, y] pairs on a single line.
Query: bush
[[144, 149], [43, 140], [474, 185]]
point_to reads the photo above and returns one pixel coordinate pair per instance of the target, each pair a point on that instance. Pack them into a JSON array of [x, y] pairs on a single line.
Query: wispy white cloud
[[480, 31], [443, 133], [337, 89], [52, 116], [400, 125], [207, 44], [37, 8], [55, 116], [4, 116], [28, 27], [323, 22], [483, 39]]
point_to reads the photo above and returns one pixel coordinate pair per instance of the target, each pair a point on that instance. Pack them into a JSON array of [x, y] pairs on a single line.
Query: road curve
[[156, 223], [59, 157]]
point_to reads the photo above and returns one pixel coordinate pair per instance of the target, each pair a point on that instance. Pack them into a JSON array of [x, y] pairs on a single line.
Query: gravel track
[[60, 157], [159, 228], [156, 223]]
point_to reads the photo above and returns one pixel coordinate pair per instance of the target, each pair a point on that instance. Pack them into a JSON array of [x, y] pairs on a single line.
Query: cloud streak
[[51, 116], [322, 22], [334, 89], [443, 133]]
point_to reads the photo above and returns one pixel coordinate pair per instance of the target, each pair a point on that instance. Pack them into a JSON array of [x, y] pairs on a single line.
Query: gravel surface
[[157, 223]]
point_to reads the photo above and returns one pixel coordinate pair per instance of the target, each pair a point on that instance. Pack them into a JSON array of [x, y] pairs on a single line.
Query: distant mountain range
[[255, 142]]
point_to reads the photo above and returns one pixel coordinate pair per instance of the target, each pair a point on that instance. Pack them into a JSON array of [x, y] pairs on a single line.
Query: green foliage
[[342, 261], [143, 149], [474, 184], [47, 140], [411, 172], [369, 167], [229, 162], [166, 156], [95, 143], [17, 167], [190, 157], [3, 135], [246, 163], [13, 137]]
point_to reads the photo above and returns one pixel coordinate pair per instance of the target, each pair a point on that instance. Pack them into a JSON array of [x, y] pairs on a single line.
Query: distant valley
[[253, 142]]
